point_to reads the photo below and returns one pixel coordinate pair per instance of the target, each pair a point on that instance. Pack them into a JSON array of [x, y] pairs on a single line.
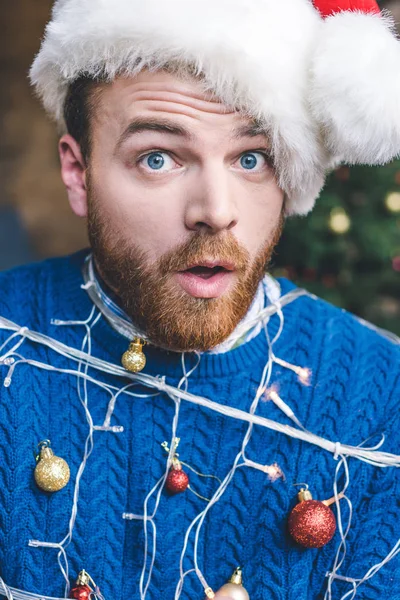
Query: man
[[189, 132]]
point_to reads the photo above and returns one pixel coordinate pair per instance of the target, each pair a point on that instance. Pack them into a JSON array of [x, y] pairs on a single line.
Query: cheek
[[147, 216], [260, 215]]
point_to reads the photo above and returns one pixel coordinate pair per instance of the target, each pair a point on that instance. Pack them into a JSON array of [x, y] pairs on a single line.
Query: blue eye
[[155, 161], [249, 161]]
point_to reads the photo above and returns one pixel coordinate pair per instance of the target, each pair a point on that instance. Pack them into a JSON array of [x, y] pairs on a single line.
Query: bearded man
[[188, 412]]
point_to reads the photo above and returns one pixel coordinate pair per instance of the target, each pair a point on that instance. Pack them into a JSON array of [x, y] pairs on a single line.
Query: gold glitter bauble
[[134, 360], [52, 472]]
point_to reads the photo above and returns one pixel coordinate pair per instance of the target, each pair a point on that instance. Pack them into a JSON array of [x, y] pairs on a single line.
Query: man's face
[[183, 207]]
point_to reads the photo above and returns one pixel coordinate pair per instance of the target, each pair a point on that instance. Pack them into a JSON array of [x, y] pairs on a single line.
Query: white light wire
[[6, 589], [88, 448], [371, 456], [114, 398], [62, 555], [342, 549], [143, 587], [380, 459], [199, 520], [15, 594], [158, 487]]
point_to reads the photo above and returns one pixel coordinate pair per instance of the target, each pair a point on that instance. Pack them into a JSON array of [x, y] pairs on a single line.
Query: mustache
[[205, 247]]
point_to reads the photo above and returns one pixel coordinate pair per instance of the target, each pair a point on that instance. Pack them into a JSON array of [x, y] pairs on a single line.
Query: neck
[[108, 303]]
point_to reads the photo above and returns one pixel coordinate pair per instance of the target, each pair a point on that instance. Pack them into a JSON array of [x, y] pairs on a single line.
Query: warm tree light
[[339, 221], [392, 202]]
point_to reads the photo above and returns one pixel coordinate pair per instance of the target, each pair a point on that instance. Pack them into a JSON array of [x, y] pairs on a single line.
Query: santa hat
[[323, 77]]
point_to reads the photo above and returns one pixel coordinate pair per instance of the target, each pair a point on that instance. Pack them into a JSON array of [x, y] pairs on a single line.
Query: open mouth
[[207, 280], [206, 272]]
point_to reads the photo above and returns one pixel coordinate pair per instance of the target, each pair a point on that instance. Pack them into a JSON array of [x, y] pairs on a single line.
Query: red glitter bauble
[[312, 524], [177, 481], [81, 592]]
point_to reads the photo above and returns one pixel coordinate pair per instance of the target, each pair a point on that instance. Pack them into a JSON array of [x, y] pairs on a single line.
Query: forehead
[[170, 98]]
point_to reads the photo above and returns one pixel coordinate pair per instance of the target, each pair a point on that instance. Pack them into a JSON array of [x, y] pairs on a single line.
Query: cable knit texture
[[353, 395]]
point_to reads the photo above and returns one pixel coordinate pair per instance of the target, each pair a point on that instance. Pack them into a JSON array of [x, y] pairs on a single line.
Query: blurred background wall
[[35, 220], [347, 251]]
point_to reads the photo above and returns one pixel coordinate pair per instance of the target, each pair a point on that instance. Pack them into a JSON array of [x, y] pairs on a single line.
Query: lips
[[207, 279], [206, 272], [211, 265]]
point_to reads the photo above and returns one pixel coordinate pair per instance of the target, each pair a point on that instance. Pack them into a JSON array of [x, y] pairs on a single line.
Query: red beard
[[169, 317]]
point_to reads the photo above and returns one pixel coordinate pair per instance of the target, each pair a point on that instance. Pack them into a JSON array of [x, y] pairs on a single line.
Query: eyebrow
[[252, 130], [141, 125], [159, 125]]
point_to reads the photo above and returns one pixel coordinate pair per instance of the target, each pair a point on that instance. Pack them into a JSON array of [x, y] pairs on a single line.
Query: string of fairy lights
[[81, 360]]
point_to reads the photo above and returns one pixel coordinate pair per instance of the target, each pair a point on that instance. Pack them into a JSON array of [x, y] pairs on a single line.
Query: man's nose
[[212, 203]]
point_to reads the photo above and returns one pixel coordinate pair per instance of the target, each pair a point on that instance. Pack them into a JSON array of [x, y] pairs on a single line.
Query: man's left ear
[[73, 174]]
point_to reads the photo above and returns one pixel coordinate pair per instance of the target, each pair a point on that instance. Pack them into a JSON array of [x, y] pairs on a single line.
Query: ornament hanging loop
[[234, 588], [41, 446], [83, 578], [305, 485], [44, 444], [175, 456], [85, 588], [175, 444], [304, 494], [237, 576]]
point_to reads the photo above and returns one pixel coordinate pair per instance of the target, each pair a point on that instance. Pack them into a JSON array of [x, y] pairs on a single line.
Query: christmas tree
[[348, 249]]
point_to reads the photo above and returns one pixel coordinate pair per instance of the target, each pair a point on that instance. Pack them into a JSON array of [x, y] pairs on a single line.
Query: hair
[[79, 107], [83, 97]]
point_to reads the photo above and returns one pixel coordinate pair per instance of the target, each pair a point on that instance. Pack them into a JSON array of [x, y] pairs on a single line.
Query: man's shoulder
[[340, 322], [337, 326], [355, 368], [26, 291]]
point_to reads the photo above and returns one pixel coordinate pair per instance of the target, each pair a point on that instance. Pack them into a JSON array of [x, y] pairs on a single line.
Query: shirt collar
[[268, 292]]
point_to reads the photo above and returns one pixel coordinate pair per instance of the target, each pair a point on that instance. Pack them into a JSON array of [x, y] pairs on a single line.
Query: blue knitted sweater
[[354, 394]]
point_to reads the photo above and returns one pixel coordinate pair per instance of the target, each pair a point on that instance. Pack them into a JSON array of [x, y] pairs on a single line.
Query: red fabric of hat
[[330, 7]]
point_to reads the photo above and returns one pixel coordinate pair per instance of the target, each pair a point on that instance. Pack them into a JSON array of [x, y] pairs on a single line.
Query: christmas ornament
[[233, 590], [312, 524], [51, 473], [82, 589], [134, 360], [177, 480]]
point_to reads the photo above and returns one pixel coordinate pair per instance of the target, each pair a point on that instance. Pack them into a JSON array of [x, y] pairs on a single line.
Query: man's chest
[[115, 519]]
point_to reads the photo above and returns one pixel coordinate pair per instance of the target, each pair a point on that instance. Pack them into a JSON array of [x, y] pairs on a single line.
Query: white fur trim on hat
[[355, 94], [256, 55], [253, 54]]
